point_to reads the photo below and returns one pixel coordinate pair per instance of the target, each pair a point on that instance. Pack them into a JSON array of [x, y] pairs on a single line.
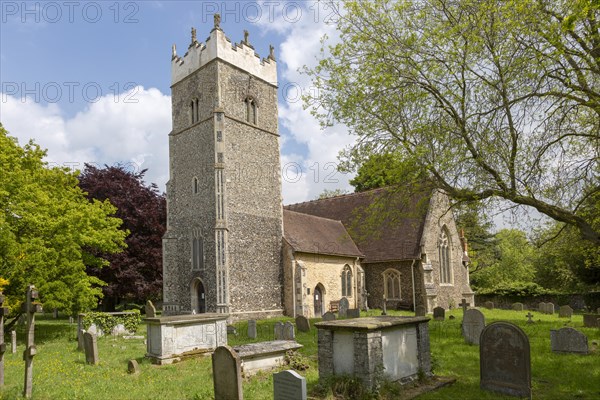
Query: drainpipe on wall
[[412, 270], [293, 259], [356, 283]]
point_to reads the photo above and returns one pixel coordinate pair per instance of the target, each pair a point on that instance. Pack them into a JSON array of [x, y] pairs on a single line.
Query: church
[[231, 247]]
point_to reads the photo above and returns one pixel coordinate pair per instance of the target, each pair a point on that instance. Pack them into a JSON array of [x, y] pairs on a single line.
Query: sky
[[90, 80]]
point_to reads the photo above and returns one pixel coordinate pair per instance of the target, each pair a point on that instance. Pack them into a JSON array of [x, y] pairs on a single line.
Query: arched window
[[347, 281], [250, 110], [195, 186], [391, 284], [444, 246], [194, 113]]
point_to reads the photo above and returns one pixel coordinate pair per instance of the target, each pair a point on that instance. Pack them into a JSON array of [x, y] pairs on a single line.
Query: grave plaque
[[504, 358], [439, 314], [227, 377], [328, 316], [288, 331], [568, 340], [252, 329], [473, 324], [420, 311], [489, 305], [278, 330], [517, 306], [343, 307], [289, 385], [302, 323], [565, 312]]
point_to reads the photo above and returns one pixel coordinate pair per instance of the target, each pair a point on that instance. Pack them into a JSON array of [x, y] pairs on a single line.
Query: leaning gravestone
[[288, 331], [289, 385], [278, 331], [90, 345], [472, 325], [328, 316], [252, 329], [504, 360], [439, 314], [150, 309], [353, 313], [568, 340], [420, 311], [343, 307], [227, 376], [517, 306], [565, 312], [489, 305], [302, 323]]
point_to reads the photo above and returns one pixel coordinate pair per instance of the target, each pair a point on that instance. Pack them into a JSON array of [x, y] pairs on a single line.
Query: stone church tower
[[222, 247]]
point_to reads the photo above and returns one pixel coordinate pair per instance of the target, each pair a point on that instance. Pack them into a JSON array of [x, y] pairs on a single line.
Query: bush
[[107, 322], [515, 289]]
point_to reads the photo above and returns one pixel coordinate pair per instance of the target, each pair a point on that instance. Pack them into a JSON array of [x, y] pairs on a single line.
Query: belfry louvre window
[[444, 253], [347, 281], [391, 284]]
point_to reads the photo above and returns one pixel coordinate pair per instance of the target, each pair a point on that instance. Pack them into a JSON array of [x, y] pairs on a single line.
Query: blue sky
[[90, 80]]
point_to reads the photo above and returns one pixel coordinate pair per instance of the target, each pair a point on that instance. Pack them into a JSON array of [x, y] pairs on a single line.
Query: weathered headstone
[[289, 385], [90, 344], [227, 376], [590, 320], [302, 323], [464, 305], [3, 312], [231, 330], [288, 331], [542, 307], [504, 359], [31, 306], [439, 314], [565, 312], [150, 309], [252, 329], [353, 313], [13, 340], [489, 305], [549, 308], [133, 367], [529, 320], [384, 310], [343, 307], [80, 345], [420, 311], [517, 306], [278, 331], [568, 340], [328, 316], [472, 325]]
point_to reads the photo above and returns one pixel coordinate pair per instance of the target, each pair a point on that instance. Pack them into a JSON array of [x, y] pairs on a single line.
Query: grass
[[60, 371]]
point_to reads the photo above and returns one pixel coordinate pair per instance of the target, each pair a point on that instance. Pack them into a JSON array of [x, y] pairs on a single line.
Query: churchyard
[[61, 372]]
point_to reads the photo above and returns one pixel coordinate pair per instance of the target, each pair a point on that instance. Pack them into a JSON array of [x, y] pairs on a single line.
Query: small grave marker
[[489, 305], [464, 305], [13, 339], [517, 307], [568, 340], [472, 325], [420, 311], [302, 323], [504, 357], [288, 331], [384, 311], [150, 309], [328, 316], [529, 320], [353, 313], [133, 367], [278, 330], [590, 321], [565, 312], [549, 308], [343, 307], [289, 385], [439, 314], [90, 344], [227, 376], [252, 329]]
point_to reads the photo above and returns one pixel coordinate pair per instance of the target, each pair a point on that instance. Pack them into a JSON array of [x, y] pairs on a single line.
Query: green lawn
[[60, 371]]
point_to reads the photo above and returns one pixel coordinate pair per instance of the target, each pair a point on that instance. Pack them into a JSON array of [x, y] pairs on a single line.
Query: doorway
[[318, 296], [198, 296]]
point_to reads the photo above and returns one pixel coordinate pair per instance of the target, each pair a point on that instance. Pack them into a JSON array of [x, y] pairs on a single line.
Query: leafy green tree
[[327, 193], [494, 99], [49, 231]]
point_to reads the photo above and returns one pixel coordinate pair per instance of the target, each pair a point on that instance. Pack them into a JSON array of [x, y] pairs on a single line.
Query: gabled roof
[[386, 224], [310, 234]]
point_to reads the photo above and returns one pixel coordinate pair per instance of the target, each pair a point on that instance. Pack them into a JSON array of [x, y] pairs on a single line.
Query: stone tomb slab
[[568, 340], [289, 385], [505, 360], [361, 347], [264, 356], [174, 338], [227, 378], [472, 325]]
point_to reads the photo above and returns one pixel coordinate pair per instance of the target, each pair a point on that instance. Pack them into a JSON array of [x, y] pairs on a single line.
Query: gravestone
[[489, 305], [278, 331], [549, 308], [565, 312], [288, 331], [529, 320], [504, 359], [133, 367], [420, 311], [150, 309], [302, 323], [568, 340], [590, 321], [70, 320], [384, 310], [472, 325], [252, 329], [464, 305], [289, 385], [353, 313], [542, 307], [328, 316], [231, 330], [90, 344], [517, 306], [227, 376], [343, 307], [439, 314], [13, 339], [31, 306], [80, 345]]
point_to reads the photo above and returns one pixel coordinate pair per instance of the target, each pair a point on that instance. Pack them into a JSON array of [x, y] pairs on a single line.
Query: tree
[[49, 231], [135, 274], [494, 99], [327, 193]]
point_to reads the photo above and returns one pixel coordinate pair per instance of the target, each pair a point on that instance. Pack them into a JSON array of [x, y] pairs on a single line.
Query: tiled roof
[[310, 234], [386, 224]]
